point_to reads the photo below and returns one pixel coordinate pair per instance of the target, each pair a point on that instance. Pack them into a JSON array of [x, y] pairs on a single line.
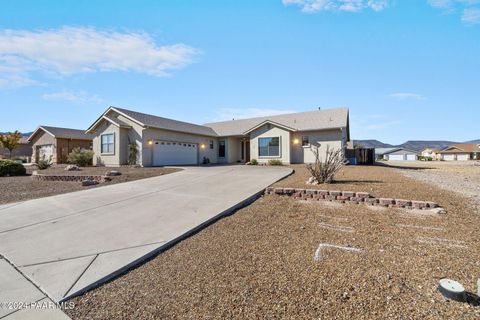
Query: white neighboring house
[[395, 154], [461, 152], [161, 141]]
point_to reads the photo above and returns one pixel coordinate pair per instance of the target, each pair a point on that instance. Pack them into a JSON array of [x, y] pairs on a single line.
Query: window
[[221, 149], [108, 143], [269, 147], [211, 144], [305, 141]]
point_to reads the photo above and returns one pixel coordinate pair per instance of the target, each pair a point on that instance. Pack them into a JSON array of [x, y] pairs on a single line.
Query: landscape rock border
[[353, 197], [79, 178]]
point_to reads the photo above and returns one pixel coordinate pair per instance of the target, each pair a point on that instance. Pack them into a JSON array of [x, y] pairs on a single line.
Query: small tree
[[132, 153], [325, 171], [10, 141]]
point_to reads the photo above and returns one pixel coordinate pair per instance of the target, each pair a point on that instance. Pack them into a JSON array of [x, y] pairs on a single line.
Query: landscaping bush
[[325, 171], [43, 164], [275, 163], [80, 157], [252, 162], [11, 168], [205, 160], [132, 153]]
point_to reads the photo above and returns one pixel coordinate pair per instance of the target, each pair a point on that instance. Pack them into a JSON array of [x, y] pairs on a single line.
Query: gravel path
[[260, 262], [14, 189]]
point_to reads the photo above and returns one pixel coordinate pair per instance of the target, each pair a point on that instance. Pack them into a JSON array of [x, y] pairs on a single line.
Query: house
[[22, 151], [395, 154], [54, 144], [161, 141], [461, 152], [431, 153]]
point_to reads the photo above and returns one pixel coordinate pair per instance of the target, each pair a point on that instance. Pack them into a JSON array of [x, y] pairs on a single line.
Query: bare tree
[[325, 171]]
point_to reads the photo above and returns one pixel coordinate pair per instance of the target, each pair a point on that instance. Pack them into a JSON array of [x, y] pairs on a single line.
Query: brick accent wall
[[78, 178]]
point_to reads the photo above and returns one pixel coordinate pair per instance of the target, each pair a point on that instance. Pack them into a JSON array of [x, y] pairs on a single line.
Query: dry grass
[[258, 263], [24, 188]]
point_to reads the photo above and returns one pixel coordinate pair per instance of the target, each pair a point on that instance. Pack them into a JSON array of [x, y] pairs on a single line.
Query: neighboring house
[[161, 141], [54, 144], [22, 151], [431, 153], [461, 152], [395, 154]]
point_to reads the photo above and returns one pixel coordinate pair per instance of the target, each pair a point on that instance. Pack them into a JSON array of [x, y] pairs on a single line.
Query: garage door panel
[[463, 157], [45, 152], [411, 157], [396, 157], [449, 157], [174, 153]]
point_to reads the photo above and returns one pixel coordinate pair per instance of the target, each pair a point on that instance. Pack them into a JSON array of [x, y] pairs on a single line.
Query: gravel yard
[[23, 188], [259, 263]]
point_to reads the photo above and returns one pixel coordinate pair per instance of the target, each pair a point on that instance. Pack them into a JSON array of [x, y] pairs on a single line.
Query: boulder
[[72, 167], [87, 183], [113, 173]]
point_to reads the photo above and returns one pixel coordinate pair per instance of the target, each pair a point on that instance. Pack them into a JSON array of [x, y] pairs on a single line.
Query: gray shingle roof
[[301, 121], [168, 124], [66, 133]]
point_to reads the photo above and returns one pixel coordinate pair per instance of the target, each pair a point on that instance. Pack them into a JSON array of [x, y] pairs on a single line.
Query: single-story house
[[461, 152], [161, 141], [54, 144], [431, 153], [395, 154], [22, 151]]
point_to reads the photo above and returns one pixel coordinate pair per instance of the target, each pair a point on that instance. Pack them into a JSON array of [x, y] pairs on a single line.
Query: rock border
[[77, 178], [353, 197]]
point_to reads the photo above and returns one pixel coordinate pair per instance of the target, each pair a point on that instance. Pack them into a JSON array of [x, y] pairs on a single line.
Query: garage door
[[449, 157], [396, 157], [411, 157], [168, 153], [463, 157], [45, 152]]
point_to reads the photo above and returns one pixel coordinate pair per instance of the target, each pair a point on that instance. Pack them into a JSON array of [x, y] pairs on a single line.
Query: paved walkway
[[68, 243]]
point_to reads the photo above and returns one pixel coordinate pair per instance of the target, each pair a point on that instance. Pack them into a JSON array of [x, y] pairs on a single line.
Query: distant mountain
[[25, 134], [411, 145], [371, 144]]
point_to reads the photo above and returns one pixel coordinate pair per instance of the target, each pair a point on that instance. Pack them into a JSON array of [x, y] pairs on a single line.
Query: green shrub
[[43, 164], [11, 168], [80, 157], [132, 153], [275, 162], [253, 162], [205, 160]]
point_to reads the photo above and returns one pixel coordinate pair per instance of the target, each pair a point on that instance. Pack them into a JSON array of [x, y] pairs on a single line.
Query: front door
[[247, 150]]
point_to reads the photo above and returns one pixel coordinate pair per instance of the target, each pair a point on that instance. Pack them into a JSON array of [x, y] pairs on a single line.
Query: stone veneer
[[351, 197]]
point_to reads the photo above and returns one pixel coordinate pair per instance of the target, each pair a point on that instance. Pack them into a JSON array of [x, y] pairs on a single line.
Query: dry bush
[[325, 171]]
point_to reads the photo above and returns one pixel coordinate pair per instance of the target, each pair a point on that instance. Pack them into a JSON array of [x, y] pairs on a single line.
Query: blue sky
[[406, 69]]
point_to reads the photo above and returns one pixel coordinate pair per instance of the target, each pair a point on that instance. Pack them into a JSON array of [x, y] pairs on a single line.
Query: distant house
[[23, 150], [461, 152], [54, 144], [395, 154], [431, 153]]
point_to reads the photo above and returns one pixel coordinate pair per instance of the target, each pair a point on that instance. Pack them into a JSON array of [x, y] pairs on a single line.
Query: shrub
[[253, 162], [132, 153], [205, 160], [325, 171], [80, 157], [275, 162], [11, 168], [43, 164]]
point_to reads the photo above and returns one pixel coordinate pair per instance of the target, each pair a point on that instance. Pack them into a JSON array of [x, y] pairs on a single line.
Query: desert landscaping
[[267, 260]]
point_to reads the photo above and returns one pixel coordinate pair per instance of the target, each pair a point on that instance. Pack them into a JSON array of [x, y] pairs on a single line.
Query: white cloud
[[470, 12], [471, 16], [76, 97], [407, 95], [225, 114], [311, 6], [73, 50]]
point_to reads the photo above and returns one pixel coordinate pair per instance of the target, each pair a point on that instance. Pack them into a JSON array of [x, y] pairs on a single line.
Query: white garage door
[[167, 153], [463, 157], [45, 152], [396, 157], [411, 157], [449, 157]]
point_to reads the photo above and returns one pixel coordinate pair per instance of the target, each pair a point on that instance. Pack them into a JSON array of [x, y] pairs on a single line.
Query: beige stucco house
[[54, 144], [161, 141], [461, 152]]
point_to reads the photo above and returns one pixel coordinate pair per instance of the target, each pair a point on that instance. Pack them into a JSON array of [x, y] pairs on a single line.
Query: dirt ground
[[260, 262], [23, 188]]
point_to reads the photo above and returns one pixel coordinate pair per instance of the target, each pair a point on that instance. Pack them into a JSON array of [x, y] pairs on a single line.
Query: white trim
[[103, 117], [279, 148], [269, 122], [128, 117], [40, 127]]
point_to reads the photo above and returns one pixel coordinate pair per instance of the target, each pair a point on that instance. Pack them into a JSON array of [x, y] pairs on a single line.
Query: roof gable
[[62, 133], [269, 122]]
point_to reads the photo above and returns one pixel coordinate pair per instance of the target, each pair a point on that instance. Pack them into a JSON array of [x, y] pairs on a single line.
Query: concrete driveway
[[69, 243]]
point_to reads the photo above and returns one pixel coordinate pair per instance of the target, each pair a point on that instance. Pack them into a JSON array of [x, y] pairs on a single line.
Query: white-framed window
[[269, 147], [108, 143], [305, 141]]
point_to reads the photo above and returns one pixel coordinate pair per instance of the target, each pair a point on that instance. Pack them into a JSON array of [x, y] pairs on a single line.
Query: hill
[[415, 145]]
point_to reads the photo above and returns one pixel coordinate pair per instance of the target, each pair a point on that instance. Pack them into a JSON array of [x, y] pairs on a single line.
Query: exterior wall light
[[296, 141], [202, 146], [150, 141]]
